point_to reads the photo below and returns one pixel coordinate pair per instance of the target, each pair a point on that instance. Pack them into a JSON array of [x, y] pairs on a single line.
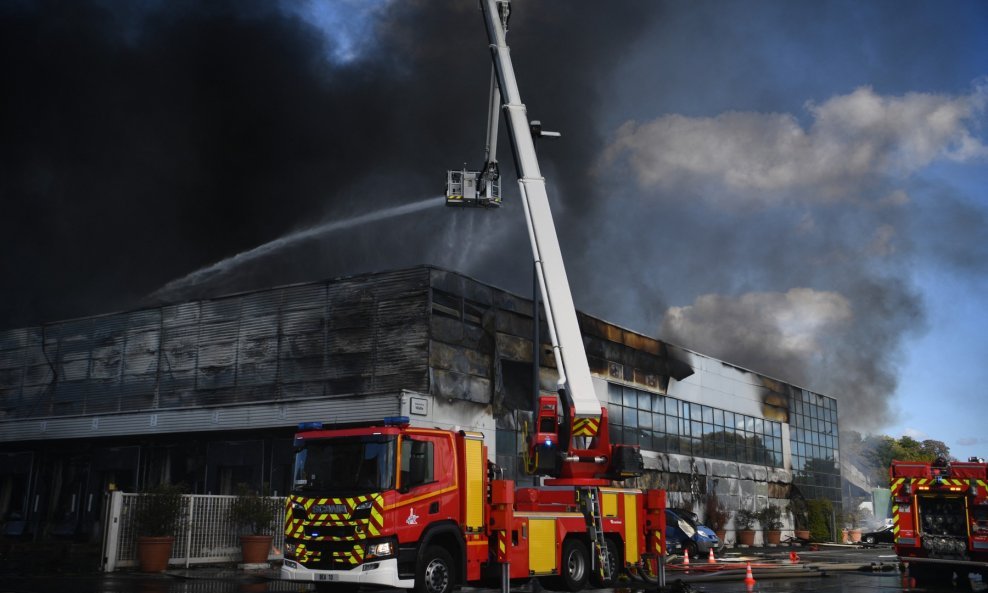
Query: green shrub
[[819, 512], [159, 510], [745, 520], [770, 517], [253, 513]]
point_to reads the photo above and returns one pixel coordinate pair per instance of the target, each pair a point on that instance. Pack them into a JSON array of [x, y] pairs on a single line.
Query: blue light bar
[[310, 426], [396, 421]]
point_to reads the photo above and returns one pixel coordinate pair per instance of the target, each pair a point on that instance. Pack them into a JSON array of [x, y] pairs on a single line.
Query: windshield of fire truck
[[346, 465]]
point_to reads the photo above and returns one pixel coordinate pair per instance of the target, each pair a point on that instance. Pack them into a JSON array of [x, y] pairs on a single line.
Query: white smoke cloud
[[791, 328], [769, 157]]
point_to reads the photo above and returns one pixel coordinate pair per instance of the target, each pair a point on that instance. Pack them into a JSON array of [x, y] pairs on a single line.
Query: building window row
[[669, 425]]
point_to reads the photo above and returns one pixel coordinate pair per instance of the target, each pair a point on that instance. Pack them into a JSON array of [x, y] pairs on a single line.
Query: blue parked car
[[683, 532]]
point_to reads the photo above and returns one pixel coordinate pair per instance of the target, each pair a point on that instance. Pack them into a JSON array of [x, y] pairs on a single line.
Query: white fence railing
[[207, 535]]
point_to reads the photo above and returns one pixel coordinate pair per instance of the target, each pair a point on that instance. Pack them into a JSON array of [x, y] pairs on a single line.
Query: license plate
[[327, 577]]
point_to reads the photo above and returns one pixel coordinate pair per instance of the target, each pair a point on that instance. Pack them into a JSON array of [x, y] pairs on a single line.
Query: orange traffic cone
[[710, 557], [686, 557], [793, 557], [749, 579]]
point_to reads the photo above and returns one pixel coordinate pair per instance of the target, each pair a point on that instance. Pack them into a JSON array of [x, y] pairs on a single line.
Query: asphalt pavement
[[830, 568]]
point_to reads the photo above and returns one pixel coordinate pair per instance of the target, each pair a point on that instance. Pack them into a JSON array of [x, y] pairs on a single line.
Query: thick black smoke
[[142, 141]]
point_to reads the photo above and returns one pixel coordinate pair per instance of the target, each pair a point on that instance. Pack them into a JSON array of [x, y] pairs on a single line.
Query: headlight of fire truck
[[381, 549]]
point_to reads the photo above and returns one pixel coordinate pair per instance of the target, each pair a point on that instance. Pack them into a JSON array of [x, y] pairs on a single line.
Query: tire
[[435, 573], [694, 551], [614, 561], [574, 569], [870, 539]]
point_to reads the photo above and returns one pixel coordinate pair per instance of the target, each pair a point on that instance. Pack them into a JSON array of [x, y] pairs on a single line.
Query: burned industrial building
[[208, 393]]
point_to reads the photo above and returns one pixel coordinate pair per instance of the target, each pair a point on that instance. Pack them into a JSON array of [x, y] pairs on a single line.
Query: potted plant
[[716, 516], [800, 518], [771, 519], [744, 524], [255, 516], [157, 514]]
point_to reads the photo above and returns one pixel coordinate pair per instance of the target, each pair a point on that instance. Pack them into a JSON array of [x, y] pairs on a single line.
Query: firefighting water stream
[[204, 274]]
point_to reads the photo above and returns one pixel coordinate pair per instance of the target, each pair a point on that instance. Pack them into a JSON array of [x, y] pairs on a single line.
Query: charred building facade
[[208, 393]]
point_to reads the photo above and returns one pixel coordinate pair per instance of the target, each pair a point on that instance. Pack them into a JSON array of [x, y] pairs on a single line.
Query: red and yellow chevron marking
[[304, 555], [352, 557], [896, 484], [895, 521], [502, 546], [585, 427], [372, 526]]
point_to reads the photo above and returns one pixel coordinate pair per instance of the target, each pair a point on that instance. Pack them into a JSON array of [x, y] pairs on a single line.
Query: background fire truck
[[940, 518]]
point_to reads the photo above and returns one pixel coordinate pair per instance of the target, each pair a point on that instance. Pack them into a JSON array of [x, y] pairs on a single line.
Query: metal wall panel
[[365, 334]]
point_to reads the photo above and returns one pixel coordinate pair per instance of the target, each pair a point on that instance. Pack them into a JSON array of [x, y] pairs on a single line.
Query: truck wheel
[[870, 539], [613, 562], [435, 573], [574, 571]]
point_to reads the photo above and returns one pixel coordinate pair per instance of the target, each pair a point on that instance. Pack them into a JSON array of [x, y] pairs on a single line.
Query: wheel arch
[[450, 536]]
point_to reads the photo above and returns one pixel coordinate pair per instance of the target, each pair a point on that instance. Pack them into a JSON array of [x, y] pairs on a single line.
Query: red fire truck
[[940, 518], [393, 504], [389, 504]]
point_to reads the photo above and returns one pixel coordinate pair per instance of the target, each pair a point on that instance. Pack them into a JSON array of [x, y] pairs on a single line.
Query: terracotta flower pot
[[773, 536], [746, 537], [721, 535], [854, 535], [153, 552], [802, 533], [254, 548]]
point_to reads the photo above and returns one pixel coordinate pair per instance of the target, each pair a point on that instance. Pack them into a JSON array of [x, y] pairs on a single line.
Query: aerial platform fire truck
[[940, 518], [392, 504]]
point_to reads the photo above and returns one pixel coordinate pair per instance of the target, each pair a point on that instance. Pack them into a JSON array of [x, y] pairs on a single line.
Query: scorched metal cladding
[[357, 335]]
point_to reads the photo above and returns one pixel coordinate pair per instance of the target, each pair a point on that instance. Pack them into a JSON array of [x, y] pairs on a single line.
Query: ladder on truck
[[590, 503]]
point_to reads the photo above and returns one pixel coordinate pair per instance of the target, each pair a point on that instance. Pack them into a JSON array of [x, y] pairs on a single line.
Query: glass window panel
[[696, 429], [659, 423], [659, 442], [777, 429], [749, 424], [644, 419], [630, 417], [644, 400], [719, 417], [645, 439], [630, 398], [658, 404], [672, 425], [614, 393], [672, 444], [759, 426], [685, 410], [614, 414], [671, 407], [708, 414], [617, 434]]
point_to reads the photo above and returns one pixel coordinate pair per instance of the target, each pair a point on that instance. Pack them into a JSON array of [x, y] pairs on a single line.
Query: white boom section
[[567, 341]]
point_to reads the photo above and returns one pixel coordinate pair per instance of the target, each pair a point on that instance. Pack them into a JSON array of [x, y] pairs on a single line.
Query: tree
[[936, 449]]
